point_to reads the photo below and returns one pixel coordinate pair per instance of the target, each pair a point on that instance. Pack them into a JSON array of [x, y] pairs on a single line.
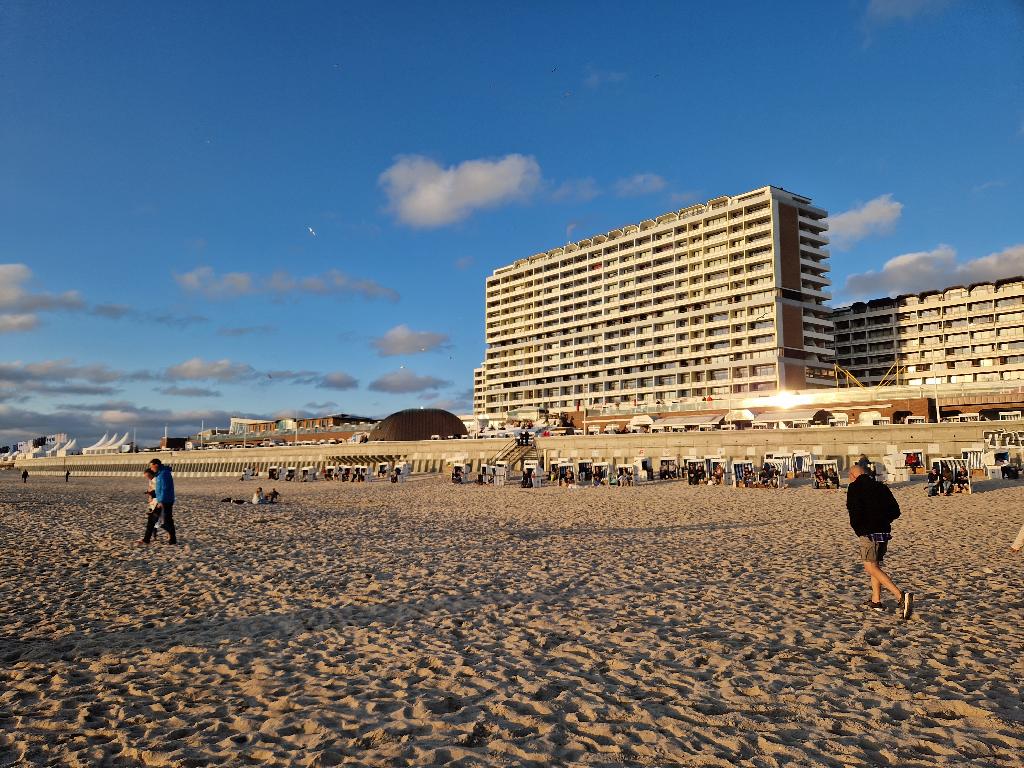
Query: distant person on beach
[[872, 509], [67, 475], [273, 497], [24, 475], [258, 497], [163, 493]]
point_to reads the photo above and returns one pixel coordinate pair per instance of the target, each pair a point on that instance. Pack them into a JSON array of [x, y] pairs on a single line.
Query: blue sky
[[164, 167]]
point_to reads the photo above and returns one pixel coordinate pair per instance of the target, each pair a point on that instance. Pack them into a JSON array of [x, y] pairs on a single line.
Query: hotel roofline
[[883, 301], [691, 211]]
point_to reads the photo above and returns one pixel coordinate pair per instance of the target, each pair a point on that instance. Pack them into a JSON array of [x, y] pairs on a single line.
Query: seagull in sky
[[311, 231]]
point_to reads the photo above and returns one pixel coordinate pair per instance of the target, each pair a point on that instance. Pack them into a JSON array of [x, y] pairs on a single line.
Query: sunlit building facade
[[725, 298], [959, 335]]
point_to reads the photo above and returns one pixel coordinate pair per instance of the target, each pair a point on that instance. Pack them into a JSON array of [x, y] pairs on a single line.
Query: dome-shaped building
[[418, 424]]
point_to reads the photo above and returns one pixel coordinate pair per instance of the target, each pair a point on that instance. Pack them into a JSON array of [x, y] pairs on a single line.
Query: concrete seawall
[[841, 443], [844, 444]]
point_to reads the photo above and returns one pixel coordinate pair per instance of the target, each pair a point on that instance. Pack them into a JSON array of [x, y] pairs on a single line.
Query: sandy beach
[[426, 624]]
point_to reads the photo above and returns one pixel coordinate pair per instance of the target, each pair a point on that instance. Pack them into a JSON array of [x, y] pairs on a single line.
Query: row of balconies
[[525, 303], [515, 279], [679, 308], [514, 323], [603, 373]]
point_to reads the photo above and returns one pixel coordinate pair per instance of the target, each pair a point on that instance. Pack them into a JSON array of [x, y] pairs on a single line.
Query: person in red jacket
[[872, 509]]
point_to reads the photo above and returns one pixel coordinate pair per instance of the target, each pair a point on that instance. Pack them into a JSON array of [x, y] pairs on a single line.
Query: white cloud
[[324, 407], [113, 311], [639, 184], [984, 187], [338, 380], [875, 217], [206, 281], [17, 323], [197, 369], [51, 372], [403, 381], [15, 297], [576, 190], [459, 402], [938, 268], [684, 198], [423, 194], [19, 305], [887, 10], [176, 391], [402, 340], [87, 421]]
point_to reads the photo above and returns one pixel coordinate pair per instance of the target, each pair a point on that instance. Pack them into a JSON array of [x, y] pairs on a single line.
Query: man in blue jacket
[[872, 509], [163, 492]]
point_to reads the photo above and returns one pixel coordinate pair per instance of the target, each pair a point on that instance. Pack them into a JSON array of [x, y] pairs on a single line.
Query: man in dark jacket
[[872, 509]]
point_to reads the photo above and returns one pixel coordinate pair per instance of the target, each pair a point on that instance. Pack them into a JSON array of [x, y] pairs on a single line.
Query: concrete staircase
[[515, 455]]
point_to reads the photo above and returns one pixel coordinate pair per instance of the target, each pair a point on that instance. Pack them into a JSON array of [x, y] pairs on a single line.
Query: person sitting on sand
[[258, 497], [872, 508], [962, 481], [273, 497], [946, 485]]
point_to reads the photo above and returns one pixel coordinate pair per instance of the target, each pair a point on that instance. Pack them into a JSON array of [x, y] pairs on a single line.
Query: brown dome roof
[[418, 424]]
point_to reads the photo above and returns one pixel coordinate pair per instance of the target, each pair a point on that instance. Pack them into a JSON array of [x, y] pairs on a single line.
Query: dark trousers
[[154, 516]]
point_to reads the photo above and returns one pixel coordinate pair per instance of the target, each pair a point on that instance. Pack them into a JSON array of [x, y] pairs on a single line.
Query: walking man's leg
[[880, 579], [151, 520], [872, 554], [169, 524]]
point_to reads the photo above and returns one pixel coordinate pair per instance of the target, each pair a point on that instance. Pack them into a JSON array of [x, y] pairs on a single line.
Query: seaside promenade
[[843, 444]]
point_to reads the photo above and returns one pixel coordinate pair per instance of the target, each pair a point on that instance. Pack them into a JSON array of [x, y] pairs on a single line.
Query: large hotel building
[[959, 335], [721, 299]]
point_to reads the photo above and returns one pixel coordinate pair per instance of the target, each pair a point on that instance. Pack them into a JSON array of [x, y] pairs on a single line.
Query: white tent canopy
[[111, 444], [780, 417], [697, 420], [740, 414], [99, 443]]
